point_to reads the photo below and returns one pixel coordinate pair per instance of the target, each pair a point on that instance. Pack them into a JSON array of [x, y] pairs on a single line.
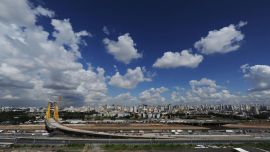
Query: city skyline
[[135, 52]]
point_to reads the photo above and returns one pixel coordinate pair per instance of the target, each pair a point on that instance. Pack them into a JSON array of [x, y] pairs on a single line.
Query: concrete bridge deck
[[52, 125]]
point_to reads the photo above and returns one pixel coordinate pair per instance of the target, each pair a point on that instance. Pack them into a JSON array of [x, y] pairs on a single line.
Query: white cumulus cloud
[[153, 96], [34, 67], [65, 35], [44, 12], [224, 40], [203, 82], [178, 59], [106, 30], [130, 79], [258, 76], [124, 99], [122, 50], [204, 91]]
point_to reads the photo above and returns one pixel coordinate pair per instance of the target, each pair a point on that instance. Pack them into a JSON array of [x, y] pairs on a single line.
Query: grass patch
[[262, 145], [75, 145]]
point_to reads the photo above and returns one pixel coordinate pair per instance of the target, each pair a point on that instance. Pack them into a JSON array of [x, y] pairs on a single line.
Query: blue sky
[[150, 30]]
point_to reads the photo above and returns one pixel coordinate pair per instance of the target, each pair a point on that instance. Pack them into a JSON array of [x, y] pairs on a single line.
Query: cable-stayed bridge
[[53, 124]]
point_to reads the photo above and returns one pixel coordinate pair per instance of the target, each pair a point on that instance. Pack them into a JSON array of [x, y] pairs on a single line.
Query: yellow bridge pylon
[[55, 111], [48, 112]]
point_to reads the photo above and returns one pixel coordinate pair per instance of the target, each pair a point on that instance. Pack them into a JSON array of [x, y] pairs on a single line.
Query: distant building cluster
[[171, 111], [141, 113], [23, 109]]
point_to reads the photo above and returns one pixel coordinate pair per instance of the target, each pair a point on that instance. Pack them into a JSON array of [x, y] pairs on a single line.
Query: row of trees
[[15, 117]]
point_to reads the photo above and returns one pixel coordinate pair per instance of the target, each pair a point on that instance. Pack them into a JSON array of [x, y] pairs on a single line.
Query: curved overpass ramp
[[52, 125]]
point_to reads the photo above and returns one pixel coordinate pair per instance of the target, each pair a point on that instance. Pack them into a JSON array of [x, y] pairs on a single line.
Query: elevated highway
[[53, 124]]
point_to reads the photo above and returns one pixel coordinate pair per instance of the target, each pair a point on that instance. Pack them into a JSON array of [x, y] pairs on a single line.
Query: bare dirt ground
[[138, 126], [151, 126], [249, 125], [107, 127], [22, 127]]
